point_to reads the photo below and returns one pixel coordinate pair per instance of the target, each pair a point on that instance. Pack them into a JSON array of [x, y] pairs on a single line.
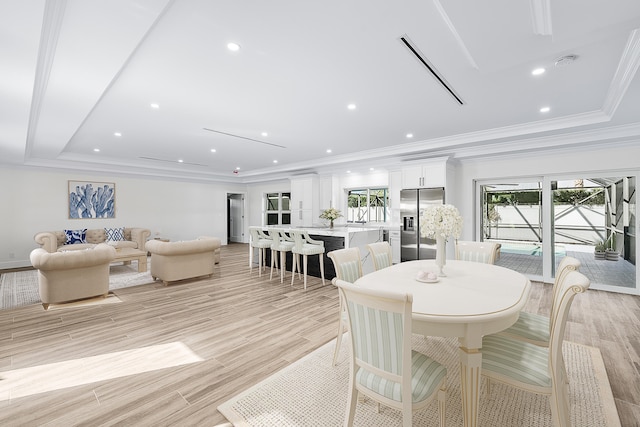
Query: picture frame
[[91, 200]]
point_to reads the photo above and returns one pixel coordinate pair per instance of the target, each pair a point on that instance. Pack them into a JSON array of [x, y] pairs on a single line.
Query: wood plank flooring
[[245, 328]]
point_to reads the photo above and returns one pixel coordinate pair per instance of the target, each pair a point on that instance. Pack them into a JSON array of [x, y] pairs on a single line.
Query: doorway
[[235, 218], [539, 221]]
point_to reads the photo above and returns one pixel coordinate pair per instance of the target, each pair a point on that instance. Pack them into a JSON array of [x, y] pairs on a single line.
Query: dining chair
[[348, 266], [535, 328], [383, 367], [305, 246], [534, 368], [380, 254], [281, 245], [261, 242], [476, 251]]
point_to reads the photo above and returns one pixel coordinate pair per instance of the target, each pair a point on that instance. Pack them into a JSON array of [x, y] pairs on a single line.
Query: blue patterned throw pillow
[[114, 234], [75, 236]]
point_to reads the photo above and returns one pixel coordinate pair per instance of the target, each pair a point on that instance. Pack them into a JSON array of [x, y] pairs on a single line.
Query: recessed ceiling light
[[275, 161], [538, 71], [213, 150], [348, 171], [264, 134], [370, 169], [237, 168], [351, 106], [117, 134], [409, 135], [155, 106], [545, 109], [180, 160], [329, 150], [97, 150], [233, 47]]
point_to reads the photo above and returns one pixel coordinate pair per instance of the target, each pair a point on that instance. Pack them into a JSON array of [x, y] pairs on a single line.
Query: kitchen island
[[338, 237]]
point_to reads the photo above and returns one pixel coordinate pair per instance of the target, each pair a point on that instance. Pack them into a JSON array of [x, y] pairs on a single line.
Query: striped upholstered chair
[[383, 366], [380, 255], [534, 368], [348, 267], [261, 242], [476, 251], [535, 328], [305, 246], [281, 245]]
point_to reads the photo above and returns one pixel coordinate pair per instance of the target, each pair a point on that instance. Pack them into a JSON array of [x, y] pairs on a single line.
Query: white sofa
[[72, 275], [172, 261], [55, 241]]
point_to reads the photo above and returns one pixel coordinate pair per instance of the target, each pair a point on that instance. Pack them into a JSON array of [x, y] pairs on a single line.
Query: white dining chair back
[[261, 242], [536, 328], [383, 366], [280, 245], [348, 267], [476, 251], [304, 245], [380, 255], [347, 264], [534, 368]]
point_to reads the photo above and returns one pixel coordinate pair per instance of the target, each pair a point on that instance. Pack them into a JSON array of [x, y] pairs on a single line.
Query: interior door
[[236, 218]]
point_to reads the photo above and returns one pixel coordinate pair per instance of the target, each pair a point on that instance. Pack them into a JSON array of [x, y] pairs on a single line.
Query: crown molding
[[51, 26], [625, 73], [541, 17]]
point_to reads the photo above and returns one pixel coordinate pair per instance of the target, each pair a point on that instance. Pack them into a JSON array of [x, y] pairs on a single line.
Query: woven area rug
[[21, 287], [312, 392]]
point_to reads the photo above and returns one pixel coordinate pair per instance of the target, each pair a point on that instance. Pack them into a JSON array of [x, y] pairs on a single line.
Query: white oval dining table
[[471, 301]]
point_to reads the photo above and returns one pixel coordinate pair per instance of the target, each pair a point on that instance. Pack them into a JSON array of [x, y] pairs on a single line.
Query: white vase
[[441, 254]]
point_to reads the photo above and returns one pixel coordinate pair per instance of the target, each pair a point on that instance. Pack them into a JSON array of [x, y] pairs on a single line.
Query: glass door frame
[[600, 174], [548, 244]]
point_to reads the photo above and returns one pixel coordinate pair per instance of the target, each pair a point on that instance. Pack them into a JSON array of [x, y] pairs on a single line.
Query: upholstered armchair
[[72, 275], [172, 261]]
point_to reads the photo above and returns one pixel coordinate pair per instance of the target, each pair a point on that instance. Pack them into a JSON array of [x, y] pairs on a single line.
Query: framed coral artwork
[[92, 200]]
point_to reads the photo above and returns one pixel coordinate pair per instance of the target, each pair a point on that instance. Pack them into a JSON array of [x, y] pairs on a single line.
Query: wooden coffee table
[[126, 255]]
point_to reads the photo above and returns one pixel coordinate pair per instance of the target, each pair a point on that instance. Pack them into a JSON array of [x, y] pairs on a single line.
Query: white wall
[[37, 200]]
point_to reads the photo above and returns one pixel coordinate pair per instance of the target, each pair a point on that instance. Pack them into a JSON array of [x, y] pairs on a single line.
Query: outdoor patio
[[614, 273]]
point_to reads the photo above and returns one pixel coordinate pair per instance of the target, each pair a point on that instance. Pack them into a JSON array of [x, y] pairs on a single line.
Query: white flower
[[331, 214], [440, 220]]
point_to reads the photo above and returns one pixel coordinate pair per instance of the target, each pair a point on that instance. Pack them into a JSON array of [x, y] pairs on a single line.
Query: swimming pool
[[527, 248]]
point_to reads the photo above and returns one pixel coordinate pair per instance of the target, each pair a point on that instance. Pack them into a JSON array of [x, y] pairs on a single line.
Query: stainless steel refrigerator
[[412, 203]]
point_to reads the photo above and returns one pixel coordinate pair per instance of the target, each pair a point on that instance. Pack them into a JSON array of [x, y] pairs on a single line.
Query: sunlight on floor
[[55, 376]]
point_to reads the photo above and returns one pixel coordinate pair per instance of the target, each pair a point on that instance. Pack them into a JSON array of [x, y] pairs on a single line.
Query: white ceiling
[[74, 72]]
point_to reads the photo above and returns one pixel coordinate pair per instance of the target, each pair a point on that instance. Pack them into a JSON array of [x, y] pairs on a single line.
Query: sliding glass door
[[538, 222], [595, 222], [512, 217]]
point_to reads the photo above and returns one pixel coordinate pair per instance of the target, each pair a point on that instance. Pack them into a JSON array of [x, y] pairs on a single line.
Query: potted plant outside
[[599, 250], [610, 253]]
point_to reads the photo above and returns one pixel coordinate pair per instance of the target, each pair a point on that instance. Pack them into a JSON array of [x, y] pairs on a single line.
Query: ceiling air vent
[[416, 52], [243, 137]]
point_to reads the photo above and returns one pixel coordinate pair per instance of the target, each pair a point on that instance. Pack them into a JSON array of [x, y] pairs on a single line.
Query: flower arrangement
[[331, 214], [440, 220]]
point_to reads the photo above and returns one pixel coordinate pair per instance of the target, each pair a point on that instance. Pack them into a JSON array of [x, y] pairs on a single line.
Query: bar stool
[[305, 246], [282, 245], [262, 242]]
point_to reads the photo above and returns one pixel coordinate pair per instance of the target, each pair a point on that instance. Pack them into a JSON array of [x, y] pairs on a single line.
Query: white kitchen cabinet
[[394, 241], [430, 175], [304, 201]]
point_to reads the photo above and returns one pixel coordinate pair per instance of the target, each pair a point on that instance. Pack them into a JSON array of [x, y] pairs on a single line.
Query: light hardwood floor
[[245, 328]]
